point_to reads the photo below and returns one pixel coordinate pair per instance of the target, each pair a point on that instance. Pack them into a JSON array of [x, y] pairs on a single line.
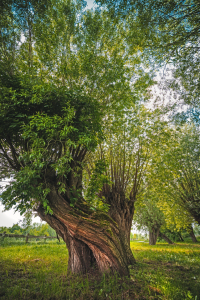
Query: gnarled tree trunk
[[92, 239]]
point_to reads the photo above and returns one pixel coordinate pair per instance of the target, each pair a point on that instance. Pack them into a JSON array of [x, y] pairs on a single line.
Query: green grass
[[172, 271], [38, 270]]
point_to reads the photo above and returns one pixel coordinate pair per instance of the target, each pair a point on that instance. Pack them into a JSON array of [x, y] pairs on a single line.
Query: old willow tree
[[64, 70]]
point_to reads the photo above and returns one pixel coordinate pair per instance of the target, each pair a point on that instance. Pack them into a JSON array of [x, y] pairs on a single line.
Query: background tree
[[182, 17], [33, 229], [170, 31], [179, 164], [149, 216], [162, 178], [196, 229]]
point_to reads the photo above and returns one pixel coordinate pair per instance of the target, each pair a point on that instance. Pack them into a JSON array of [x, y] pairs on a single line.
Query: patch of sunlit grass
[[172, 269], [38, 270]]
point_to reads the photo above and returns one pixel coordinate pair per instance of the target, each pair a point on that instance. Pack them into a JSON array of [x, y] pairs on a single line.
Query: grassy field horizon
[[38, 270]]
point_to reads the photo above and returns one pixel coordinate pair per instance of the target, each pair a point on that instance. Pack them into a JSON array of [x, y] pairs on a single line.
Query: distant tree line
[[34, 229]]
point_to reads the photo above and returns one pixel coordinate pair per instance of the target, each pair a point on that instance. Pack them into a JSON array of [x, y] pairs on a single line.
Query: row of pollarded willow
[[171, 201]]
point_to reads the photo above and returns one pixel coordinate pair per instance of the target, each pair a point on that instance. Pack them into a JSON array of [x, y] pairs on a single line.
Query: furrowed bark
[[121, 211], [81, 258], [90, 239], [93, 238]]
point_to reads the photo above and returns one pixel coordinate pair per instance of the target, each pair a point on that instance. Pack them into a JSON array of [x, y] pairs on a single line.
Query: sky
[[10, 217], [90, 3]]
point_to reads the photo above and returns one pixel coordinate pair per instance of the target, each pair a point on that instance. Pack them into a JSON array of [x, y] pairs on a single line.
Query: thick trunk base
[[81, 258], [90, 242]]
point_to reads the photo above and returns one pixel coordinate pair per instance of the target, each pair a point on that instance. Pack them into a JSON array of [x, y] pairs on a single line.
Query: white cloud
[[10, 217]]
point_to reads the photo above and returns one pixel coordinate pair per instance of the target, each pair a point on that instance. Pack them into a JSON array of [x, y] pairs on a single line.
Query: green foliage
[[125, 152], [97, 180], [40, 230], [43, 133], [68, 71], [169, 37], [197, 229], [27, 219], [174, 235], [179, 16], [171, 173], [15, 229], [34, 229], [178, 173], [148, 215]]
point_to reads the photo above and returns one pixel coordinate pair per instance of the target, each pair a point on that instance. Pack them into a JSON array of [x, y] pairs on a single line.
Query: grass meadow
[[38, 270]]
